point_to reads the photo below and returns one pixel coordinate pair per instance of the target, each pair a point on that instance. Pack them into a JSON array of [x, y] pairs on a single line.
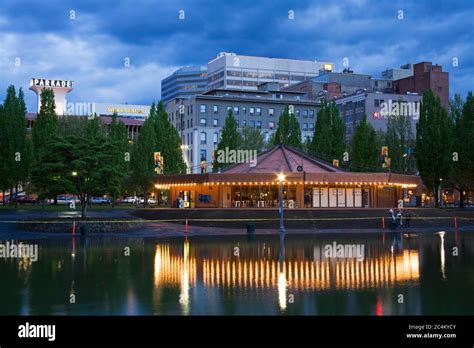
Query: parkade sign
[[51, 83]]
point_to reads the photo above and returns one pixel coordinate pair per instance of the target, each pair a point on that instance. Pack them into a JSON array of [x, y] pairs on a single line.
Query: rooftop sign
[[50, 83]]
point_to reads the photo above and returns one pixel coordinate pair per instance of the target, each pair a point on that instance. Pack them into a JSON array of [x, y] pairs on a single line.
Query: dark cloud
[[151, 34]]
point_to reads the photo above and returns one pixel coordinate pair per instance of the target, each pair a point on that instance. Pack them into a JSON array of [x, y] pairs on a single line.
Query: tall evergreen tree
[[283, 129], [294, 133], [168, 141], [462, 168], [230, 139], [364, 152], [44, 131], [328, 140], [142, 164], [434, 133], [117, 155], [46, 123], [16, 147]]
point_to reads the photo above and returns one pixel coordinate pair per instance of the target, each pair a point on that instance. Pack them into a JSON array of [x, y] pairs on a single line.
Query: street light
[[74, 173], [281, 179]]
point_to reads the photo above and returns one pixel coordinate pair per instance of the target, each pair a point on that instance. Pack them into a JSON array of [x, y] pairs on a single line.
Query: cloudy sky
[[87, 41]]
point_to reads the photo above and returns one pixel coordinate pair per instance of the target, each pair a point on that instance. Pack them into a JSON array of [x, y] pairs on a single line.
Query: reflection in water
[[282, 283], [442, 254], [269, 276], [296, 273]]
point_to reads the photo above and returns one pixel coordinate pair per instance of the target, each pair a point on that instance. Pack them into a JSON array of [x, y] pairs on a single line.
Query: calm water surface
[[238, 276]]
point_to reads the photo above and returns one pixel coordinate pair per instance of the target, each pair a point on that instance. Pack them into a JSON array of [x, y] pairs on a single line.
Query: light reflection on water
[[266, 276]]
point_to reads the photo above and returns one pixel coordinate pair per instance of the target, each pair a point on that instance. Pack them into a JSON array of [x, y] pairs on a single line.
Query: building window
[[191, 123], [215, 122], [203, 108], [252, 111], [216, 138], [203, 138], [376, 102], [271, 112], [244, 110], [216, 109], [271, 125], [229, 108], [311, 126], [298, 113], [203, 122], [305, 113], [311, 113], [244, 123], [252, 124], [305, 126], [203, 155], [259, 112], [259, 124], [236, 110]]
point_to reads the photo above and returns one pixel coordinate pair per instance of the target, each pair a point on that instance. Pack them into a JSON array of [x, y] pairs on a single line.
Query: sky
[[89, 41]]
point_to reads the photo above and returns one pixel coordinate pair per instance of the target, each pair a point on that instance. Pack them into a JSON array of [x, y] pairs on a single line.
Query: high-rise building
[[232, 71], [184, 83]]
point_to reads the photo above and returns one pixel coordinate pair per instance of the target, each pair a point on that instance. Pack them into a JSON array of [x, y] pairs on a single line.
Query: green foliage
[[230, 139], [364, 152], [434, 134], [328, 140], [168, 141], [252, 139], [15, 144], [288, 131], [142, 165], [115, 169], [461, 174]]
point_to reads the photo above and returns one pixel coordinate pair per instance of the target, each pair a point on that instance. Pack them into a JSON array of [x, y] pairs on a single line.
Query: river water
[[391, 274]]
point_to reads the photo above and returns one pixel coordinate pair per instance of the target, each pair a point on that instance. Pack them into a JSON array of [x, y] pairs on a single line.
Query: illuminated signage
[[126, 110], [51, 83]]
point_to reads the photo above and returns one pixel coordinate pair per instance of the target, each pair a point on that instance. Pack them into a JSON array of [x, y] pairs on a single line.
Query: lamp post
[[281, 178]]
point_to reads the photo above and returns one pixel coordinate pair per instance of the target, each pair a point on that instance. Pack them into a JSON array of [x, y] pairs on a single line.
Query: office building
[[184, 83], [199, 120], [232, 71], [378, 107]]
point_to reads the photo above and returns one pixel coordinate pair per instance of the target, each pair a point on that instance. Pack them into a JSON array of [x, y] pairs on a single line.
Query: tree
[[329, 133], [283, 129], [230, 139], [364, 152], [252, 139], [44, 135], [117, 155], [46, 123], [434, 133], [16, 146], [294, 133], [461, 175], [142, 164], [88, 167], [168, 141]]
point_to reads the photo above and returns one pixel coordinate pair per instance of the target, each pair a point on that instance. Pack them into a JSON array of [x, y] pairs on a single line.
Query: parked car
[[25, 200], [63, 200], [129, 200], [100, 200]]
